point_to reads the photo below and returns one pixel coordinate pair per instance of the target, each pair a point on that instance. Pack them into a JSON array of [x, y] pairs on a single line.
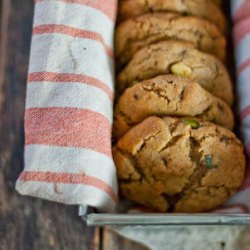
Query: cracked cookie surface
[[168, 165], [218, 2], [178, 58], [136, 33], [200, 8], [168, 95]]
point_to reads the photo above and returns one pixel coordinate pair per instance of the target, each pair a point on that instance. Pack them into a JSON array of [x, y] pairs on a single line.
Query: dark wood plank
[[27, 223]]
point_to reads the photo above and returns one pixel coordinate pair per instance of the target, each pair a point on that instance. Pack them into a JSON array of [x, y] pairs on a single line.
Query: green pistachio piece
[[181, 69], [209, 162], [193, 123]]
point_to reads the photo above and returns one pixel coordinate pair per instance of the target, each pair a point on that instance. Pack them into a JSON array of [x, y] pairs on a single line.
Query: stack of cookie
[[174, 150]]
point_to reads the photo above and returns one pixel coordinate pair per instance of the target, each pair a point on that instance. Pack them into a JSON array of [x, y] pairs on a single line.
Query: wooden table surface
[[29, 223]]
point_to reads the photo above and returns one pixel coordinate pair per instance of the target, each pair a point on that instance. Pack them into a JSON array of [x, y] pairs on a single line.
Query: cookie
[[199, 8], [217, 2], [171, 165], [168, 95], [178, 58], [136, 33]]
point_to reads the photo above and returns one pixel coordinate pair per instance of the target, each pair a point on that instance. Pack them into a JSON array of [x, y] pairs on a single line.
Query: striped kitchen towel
[[241, 17], [69, 104], [240, 9]]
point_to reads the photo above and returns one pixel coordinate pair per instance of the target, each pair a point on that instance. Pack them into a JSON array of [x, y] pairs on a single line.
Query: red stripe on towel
[[245, 112], [241, 30], [68, 127], [243, 66], [69, 77], [66, 178], [243, 11], [71, 31]]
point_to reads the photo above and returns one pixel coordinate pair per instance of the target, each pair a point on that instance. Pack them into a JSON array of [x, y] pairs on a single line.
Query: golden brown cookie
[[168, 95], [175, 165], [178, 58], [218, 2], [200, 8], [136, 33]]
